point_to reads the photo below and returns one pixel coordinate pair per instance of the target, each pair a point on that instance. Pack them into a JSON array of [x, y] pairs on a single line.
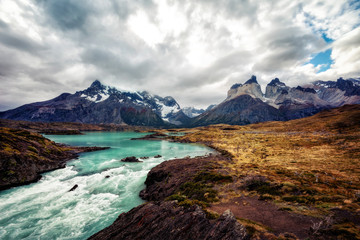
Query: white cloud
[[346, 53], [191, 50], [147, 31]]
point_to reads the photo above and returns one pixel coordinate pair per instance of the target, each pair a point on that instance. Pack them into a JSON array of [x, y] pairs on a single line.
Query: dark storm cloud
[[124, 8], [67, 14], [18, 42], [218, 70], [117, 65], [74, 14], [289, 46], [4, 25]]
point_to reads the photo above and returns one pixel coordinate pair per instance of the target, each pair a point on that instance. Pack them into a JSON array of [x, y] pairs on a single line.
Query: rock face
[[241, 110], [250, 87], [338, 93], [24, 155], [166, 178], [103, 104], [275, 88], [167, 220]]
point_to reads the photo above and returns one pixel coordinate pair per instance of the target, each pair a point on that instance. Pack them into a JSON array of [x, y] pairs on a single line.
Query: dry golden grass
[[315, 160]]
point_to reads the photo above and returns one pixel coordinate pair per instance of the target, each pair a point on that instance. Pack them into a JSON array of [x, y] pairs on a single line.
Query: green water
[[47, 210]]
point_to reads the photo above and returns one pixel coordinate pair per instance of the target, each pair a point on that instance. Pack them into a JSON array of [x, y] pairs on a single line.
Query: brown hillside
[[309, 167]]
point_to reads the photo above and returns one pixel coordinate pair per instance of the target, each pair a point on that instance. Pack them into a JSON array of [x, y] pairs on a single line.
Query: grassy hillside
[[308, 166]]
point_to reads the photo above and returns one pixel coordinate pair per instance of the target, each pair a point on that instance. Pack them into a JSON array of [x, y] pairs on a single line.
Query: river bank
[[289, 180], [26, 155], [106, 187]]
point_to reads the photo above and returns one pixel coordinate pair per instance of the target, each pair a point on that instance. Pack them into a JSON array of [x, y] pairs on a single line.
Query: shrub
[[177, 197], [261, 185], [205, 176], [199, 191], [32, 149]]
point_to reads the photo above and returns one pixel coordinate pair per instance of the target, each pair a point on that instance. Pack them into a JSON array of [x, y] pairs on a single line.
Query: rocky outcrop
[[166, 178], [275, 88], [25, 155], [250, 87], [167, 220]]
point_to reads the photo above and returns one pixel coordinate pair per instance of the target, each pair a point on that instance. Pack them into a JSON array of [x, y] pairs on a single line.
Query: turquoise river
[[106, 187]]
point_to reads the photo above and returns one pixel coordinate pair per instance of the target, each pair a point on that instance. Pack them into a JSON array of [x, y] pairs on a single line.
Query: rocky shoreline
[[26, 155], [168, 220], [165, 218]]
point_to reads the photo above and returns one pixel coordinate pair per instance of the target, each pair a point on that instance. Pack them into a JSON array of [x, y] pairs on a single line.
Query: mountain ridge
[[103, 104], [279, 102], [245, 103]]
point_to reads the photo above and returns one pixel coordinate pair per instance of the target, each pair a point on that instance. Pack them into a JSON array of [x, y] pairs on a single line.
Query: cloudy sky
[[193, 50]]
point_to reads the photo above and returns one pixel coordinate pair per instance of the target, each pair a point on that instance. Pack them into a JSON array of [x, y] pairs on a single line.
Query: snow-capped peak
[[165, 107]]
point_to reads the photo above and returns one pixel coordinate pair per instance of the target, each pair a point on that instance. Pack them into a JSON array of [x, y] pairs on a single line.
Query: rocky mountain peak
[[169, 101], [348, 86], [97, 85], [252, 80], [276, 82], [308, 90], [236, 85], [275, 88], [250, 87]]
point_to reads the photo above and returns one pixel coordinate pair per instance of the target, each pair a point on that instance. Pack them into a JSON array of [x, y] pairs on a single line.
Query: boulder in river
[[158, 156], [73, 188], [130, 159]]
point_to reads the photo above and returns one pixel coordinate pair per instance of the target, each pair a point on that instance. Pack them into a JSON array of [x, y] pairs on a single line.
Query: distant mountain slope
[[240, 110], [246, 103], [192, 112], [344, 119], [103, 104]]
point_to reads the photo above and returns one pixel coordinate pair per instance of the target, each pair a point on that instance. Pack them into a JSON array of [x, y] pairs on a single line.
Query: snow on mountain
[[192, 112], [166, 107]]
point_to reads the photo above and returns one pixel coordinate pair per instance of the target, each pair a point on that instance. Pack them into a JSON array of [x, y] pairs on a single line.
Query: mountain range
[[245, 103]]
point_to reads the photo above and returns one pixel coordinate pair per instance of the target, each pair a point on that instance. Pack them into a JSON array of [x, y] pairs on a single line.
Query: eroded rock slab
[[167, 220]]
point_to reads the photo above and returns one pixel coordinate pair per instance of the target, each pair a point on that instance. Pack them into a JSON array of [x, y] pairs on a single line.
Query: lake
[[106, 187]]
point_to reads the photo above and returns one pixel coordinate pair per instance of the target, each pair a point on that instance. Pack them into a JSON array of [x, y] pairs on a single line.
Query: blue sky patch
[[324, 59], [328, 40]]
